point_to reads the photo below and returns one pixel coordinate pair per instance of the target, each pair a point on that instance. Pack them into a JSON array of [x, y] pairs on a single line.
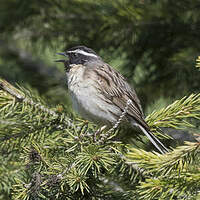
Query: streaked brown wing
[[114, 87]]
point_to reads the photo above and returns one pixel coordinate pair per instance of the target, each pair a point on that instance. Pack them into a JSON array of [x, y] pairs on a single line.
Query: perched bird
[[100, 94]]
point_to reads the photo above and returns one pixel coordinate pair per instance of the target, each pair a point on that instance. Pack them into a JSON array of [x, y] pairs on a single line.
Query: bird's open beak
[[62, 54], [59, 60]]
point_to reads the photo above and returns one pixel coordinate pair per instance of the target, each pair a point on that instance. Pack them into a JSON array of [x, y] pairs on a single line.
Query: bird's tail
[[155, 141]]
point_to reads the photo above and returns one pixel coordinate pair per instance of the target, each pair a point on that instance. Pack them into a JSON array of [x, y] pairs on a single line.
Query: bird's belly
[[93, 107]]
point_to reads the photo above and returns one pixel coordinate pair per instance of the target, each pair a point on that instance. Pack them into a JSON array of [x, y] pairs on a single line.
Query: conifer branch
[[19, 96], [176, 114], [174, 174], [69, 157], [180, 186], [178, 159]]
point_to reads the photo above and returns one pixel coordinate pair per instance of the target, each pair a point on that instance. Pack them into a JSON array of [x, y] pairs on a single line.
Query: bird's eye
[[75, 54]]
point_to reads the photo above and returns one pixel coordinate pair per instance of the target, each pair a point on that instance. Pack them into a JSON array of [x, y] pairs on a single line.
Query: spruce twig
[[19, 96], [176, 114], [178, 159]]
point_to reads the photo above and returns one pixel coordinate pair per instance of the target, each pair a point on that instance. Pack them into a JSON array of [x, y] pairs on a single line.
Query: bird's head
[[78, 55]]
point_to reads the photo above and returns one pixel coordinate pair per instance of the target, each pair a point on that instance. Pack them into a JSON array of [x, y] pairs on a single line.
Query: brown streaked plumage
[[100, 94]]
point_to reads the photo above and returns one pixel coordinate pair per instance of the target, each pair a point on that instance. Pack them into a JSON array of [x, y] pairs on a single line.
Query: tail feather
[[155, 141]]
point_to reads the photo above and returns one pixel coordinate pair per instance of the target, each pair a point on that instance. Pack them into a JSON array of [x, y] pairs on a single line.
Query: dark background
[[154, 44]]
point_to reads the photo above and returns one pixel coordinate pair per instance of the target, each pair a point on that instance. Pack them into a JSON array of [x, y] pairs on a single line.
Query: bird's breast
[[88, 102]]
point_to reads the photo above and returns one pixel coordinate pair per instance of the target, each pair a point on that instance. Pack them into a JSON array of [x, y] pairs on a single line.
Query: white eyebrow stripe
[[82, 52]]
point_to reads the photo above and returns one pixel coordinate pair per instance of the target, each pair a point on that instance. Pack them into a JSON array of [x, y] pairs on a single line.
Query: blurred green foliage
[[153, 43]]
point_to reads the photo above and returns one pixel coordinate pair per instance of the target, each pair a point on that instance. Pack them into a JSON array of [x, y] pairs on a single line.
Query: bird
[[100, 93]]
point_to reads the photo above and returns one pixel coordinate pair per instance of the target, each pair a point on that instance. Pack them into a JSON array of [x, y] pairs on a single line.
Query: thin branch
[[7, 87]]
